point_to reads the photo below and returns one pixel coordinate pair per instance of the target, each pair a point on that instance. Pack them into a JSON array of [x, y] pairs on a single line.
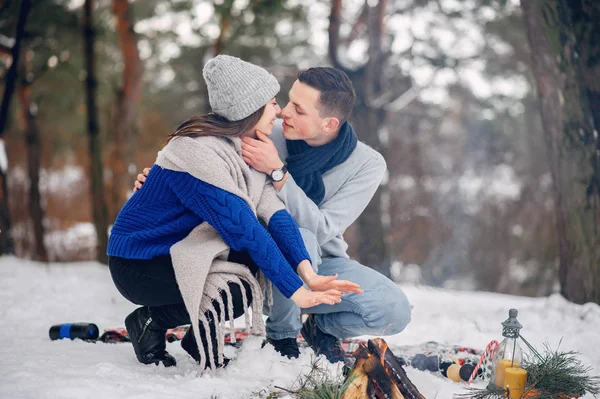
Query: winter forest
[[487, 113]]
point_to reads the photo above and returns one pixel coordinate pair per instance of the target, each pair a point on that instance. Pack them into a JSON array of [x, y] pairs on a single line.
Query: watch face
[[277, 174]]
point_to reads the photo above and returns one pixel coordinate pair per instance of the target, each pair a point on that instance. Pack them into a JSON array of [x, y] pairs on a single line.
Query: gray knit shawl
[[200, 260]]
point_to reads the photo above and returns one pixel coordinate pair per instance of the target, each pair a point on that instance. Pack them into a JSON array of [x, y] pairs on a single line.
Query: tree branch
[[361, 21], [335, 20]]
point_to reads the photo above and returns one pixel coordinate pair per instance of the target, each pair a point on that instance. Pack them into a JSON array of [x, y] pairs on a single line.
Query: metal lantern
[[509, 352]]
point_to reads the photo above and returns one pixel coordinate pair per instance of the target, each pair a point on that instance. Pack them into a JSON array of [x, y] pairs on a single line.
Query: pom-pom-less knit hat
[[236, 88]]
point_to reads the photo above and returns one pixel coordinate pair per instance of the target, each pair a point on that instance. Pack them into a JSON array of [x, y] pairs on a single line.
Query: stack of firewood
[[377, 374]]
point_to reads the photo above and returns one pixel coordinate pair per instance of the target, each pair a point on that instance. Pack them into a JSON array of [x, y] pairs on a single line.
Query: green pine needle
[[552, 376], [560, 372], [489, 392], [318, 383]]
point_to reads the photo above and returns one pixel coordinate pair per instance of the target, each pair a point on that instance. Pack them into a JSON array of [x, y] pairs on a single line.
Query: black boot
[[286, 347], [321, 342], [188, 343], [148, 338]]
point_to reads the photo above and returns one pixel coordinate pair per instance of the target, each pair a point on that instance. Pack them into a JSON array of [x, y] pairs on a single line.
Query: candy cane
[[491, 350]]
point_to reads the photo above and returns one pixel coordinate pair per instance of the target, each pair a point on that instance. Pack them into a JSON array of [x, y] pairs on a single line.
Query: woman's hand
[[141, 178], [304, 298], [317, 282]]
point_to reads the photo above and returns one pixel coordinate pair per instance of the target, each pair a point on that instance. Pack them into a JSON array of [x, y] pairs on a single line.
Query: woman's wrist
[[298, 294], [305, 271]]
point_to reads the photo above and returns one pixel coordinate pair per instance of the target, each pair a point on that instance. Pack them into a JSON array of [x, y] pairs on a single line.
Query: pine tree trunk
[[373, 250], [96, 170], [34, 154], [6, 242], [571, 143], [128, 99], [225, 16]]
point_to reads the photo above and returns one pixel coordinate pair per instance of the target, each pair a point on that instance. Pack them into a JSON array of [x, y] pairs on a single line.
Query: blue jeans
[[382, 309]]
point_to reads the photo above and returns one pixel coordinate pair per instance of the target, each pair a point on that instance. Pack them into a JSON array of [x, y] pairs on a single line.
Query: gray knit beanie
[[236, 88]]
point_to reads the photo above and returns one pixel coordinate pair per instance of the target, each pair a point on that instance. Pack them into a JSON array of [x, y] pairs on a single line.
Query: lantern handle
[[531, 348]]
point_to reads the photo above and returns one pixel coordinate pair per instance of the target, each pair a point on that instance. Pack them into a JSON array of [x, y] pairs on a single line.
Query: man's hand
[[304, 298], [141, 178], [261, 153], [324, 283], [316, 282]]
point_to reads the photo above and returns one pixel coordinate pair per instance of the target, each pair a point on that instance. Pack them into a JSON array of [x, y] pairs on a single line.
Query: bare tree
[[565, 59], [224, 11], [6, 244], [368, 118], [97, 179], [128, 100], [34, 153]]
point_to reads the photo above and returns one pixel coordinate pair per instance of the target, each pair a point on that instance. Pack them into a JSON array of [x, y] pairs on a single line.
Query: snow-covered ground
[[35, 296]]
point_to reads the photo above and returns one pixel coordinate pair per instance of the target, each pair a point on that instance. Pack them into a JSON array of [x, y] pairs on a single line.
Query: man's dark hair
[[337, 93]]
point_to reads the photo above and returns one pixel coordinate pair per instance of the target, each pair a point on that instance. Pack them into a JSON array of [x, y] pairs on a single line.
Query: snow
[[3, 157], [34, 296]]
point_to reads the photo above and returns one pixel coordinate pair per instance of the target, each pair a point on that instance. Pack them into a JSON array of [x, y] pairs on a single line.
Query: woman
[[177, 244]]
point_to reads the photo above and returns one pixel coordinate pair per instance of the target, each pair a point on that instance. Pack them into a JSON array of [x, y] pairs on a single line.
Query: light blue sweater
[[349, 188]]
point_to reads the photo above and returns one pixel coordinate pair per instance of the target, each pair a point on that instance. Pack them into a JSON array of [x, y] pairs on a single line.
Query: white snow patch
[[64, 180], [34, 296], [79, 239], [500, 184]]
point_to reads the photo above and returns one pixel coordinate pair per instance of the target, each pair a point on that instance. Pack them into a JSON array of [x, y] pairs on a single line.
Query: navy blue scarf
[[308, 164]]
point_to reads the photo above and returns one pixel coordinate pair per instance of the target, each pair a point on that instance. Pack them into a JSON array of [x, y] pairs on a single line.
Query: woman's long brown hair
[[216, 125]]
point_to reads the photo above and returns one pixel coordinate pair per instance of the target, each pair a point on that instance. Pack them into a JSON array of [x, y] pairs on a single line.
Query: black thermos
[[87, 331]]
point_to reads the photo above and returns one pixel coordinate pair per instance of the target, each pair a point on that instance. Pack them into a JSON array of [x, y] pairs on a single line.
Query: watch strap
[[283, 170]]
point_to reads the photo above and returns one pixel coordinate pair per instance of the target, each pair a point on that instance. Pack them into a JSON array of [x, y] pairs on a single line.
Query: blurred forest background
[[487, 112]]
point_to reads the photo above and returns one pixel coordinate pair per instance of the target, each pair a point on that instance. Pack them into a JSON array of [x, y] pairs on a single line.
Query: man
[[326, 178]]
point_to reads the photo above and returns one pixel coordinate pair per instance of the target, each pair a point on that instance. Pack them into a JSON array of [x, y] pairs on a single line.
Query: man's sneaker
[[286, 346], [321, 342], [148, 339]]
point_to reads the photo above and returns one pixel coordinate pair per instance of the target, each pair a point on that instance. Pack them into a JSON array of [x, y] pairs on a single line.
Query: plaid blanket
[[454, 353]]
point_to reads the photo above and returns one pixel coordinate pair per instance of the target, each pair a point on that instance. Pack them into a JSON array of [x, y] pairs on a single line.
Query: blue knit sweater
[[171, 204]]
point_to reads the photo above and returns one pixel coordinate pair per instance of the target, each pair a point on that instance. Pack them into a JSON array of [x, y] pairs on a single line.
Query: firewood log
[[378, 374], [381, 379], [393, 367], [358, 382]]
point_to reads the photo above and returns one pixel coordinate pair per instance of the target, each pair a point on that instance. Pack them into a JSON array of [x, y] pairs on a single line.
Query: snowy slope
[[34, 296]]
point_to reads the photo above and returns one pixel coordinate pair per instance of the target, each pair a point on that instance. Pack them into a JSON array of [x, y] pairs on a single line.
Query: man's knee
[[394, 312]]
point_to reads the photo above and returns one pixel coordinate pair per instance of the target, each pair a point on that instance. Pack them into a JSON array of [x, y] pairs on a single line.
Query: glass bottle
[[509, 353]]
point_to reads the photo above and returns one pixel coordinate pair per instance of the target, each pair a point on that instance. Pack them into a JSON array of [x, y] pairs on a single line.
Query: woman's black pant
[[152, 283]]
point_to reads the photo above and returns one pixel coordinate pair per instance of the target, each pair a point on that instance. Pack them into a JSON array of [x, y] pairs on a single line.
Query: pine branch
[[318, 383], [561, 372], [489, 392], [554, 375]]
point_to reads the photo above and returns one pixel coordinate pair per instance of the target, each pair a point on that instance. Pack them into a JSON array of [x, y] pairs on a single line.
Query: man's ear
[[331, 125]]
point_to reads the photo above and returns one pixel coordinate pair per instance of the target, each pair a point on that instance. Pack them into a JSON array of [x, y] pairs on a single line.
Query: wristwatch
[[278, 174]]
